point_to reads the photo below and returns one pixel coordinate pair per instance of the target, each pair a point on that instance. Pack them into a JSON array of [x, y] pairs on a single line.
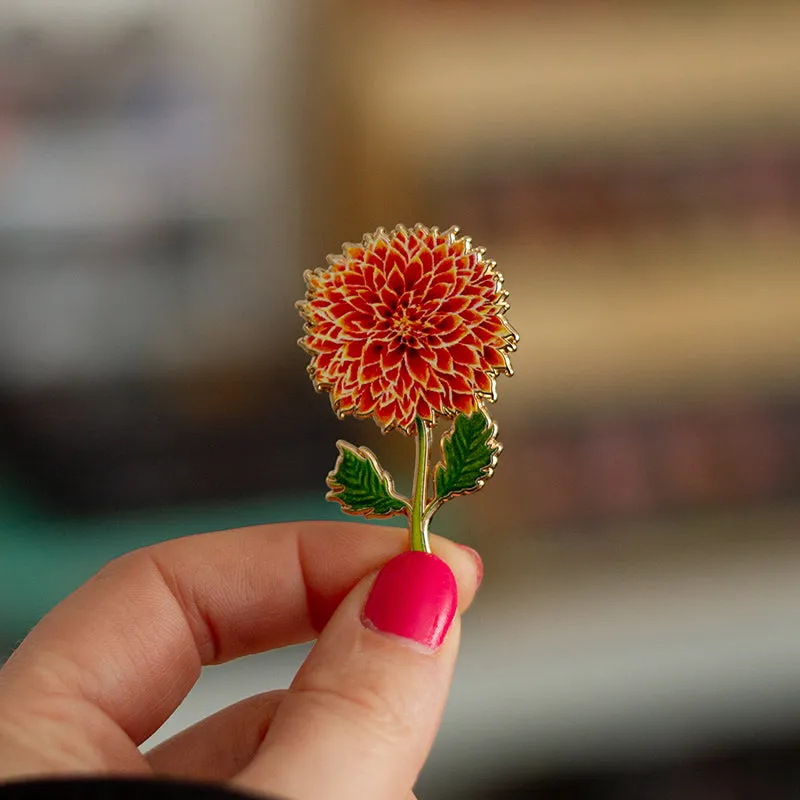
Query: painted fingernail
[[414, 597], [476, 557]]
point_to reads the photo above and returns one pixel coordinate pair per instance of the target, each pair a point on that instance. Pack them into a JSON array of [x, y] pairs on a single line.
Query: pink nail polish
[[415, 597]]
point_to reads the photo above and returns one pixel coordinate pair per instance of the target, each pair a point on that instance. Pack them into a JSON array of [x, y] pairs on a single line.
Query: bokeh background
[[167, 172]]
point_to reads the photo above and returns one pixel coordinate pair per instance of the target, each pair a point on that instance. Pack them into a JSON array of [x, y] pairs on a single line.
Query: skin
[[105, 668]]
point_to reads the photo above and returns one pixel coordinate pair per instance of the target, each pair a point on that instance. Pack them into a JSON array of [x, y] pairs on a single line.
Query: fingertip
[[476, 557], [376, 545], [428, 593], [329, 548], [365, 706], [466, 565]]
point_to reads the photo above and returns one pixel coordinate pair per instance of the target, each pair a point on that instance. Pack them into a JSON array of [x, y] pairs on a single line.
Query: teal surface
[[43, 557]]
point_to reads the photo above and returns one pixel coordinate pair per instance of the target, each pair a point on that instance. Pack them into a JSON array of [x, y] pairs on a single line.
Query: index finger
[[132, 640]]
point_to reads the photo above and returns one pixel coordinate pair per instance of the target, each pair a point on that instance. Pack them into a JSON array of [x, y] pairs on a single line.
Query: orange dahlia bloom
[[407, 324]]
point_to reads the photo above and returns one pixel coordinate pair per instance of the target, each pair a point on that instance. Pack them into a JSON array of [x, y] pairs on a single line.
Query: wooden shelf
[[592, 336], [417, 92], [438, 83], [426, 91]]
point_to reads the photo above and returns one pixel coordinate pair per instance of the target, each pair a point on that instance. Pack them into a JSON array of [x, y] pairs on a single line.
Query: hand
[[108, 666]]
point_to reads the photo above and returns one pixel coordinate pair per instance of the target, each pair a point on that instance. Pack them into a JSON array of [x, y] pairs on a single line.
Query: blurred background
[[167, 172]]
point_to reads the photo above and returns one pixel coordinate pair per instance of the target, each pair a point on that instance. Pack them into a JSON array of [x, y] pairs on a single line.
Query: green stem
[[419, 524]]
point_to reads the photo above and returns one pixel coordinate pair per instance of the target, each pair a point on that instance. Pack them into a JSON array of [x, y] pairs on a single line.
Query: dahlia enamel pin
[[407, 327]]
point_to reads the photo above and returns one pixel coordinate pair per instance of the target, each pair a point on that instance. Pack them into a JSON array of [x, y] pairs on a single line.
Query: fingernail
[[414, 597], [476, 557]]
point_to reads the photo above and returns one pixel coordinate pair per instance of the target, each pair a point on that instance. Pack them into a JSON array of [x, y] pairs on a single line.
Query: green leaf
[[469, 455], [361, 485]]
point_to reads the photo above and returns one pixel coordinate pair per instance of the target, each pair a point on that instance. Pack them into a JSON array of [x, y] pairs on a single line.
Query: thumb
[[362, 713]]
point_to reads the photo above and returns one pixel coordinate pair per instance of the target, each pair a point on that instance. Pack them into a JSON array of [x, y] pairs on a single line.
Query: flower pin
[[405, 328]]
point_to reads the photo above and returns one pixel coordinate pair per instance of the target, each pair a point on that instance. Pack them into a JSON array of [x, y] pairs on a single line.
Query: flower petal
[[464, 403], [424, 410], [454, 304], [418, 367], [391, 356], [413, 274], [457, 384], [494, 358], [370, 372], [437, 290], [483, 383], [463, 355], [372, 353], [408, 323], [444, 361]]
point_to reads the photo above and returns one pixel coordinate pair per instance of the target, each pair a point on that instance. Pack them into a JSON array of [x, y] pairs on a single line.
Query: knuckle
[[54, 731], [365, 702], [133, 563], [152, 567]]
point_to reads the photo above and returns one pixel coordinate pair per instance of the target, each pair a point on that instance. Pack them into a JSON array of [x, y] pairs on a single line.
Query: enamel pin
[[405, 328]]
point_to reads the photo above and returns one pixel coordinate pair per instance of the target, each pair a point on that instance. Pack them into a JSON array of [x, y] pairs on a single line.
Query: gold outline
[[511, 337], [492, 442], [367, 454]]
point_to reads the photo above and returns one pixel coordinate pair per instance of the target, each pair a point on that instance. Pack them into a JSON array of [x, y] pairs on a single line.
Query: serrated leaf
[[469, 454], [361, 485]]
